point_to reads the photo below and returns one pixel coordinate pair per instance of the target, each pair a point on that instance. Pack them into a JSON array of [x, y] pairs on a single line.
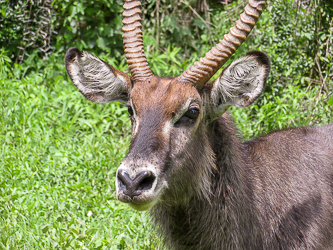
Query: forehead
[[163, 92]]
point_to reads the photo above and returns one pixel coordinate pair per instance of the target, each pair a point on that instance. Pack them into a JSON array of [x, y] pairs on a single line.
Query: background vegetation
[[59, 153]]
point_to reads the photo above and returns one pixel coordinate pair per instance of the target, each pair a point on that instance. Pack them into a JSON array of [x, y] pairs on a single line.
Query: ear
[[242, 82], [95, 79]]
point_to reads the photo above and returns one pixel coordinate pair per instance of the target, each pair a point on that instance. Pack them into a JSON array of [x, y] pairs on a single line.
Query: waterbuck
[[205, 188]]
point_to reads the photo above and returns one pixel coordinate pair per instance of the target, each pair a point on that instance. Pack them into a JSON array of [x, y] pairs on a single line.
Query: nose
[[143, 181]]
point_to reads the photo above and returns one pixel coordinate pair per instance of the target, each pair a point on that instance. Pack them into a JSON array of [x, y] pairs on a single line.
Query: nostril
[[134, 187], [146, 183], [121, 183], [124, 179]]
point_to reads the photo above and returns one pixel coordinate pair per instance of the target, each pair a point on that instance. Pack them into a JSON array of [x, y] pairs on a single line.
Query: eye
[[189, 117], [130, 110], [192, 113]]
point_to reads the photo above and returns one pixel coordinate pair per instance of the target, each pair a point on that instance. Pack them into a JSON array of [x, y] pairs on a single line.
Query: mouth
[[139, 203], [143, 201]]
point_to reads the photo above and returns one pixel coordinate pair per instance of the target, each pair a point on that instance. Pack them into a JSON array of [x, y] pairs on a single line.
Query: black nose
[[143, 181]]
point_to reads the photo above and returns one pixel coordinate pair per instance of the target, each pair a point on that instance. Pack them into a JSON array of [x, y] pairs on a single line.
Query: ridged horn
[[133, 43], [200, 73]]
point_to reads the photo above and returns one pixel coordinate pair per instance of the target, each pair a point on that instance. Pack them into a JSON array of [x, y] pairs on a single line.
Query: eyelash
[[189, 116]]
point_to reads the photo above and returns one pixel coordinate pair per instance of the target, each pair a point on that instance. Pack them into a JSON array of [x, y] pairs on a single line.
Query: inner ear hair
[[96, 79], [242, 82]]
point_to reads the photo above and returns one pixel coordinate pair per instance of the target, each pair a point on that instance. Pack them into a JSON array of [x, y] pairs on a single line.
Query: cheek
[[179, 140]]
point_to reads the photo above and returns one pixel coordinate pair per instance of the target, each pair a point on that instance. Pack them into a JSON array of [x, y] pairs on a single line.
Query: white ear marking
[[242, 81], [95, 79]]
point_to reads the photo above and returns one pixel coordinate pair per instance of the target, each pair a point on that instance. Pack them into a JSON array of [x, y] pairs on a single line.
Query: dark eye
[[130, 110], [192, 113], [189, 117]]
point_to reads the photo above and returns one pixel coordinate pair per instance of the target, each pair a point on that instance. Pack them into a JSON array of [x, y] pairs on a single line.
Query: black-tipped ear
[[71, 54], [242, 82], [95, 79]]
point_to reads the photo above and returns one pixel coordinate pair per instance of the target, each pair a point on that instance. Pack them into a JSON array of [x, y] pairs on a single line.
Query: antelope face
[[164, 115], [170, 153]]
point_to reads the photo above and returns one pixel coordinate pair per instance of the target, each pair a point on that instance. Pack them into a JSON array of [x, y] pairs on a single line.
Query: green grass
[[59, 154], [58, 157], [294, 107]]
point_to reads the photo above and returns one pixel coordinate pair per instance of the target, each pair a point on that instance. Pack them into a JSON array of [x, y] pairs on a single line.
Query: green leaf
[[100, 43], [45, 228], [330, 101], [3, 13], [82, 236]]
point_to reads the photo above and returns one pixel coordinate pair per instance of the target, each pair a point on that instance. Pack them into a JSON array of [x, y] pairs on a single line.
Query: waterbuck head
[[170, 152]]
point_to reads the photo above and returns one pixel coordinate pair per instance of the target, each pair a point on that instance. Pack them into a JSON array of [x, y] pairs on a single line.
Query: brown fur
[[274, 192], [207, 189]]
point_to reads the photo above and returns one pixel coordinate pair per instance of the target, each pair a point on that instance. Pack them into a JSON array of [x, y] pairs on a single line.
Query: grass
[[59, 154], [294, 107], [58, 157]]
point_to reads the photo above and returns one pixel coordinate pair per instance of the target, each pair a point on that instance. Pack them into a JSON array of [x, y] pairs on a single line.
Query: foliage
[[288, 33], [295, 107], [11, 33], [90, 25], [297, 35], [5, 67], [26, 27]]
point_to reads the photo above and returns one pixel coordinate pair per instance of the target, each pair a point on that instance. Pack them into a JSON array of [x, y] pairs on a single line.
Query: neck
[[222, 220]]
